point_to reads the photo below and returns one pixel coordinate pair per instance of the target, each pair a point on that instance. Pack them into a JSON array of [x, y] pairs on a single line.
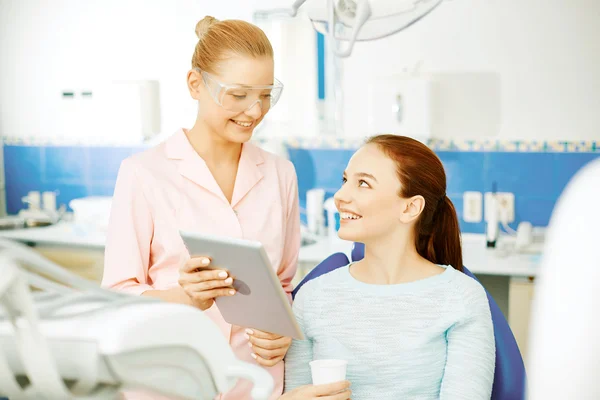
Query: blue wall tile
[[68, 192], [533, 209], [71, 171], [305, 169], [567, 164], [105, 162], [331, 165], [528, 174], [318, 168], [536, 178], [101, 188], [66, 164], [321, 168], [464, 171], [23, 173], [23, 161]]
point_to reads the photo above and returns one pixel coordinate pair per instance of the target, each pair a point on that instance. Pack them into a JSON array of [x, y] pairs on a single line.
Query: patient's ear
[[412, 208]]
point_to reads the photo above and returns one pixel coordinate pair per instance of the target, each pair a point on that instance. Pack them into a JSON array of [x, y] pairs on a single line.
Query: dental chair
[[69, 339], [509, 375]]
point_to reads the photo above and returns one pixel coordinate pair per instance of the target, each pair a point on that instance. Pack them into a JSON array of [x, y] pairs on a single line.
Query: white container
[[328, 371], [91, 213], [33, 200], [49, 201], [314, 211], [333, 219], [492, 228]]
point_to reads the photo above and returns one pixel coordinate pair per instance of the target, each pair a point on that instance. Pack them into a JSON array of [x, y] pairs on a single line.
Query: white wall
[[545, 54], [47, 46], [541, 59]]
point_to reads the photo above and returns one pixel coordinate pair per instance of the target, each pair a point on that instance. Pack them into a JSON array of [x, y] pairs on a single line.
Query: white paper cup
[[328, 371]]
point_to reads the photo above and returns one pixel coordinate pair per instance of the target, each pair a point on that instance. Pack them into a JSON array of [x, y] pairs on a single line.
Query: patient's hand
[[331, 391], [267, 348]]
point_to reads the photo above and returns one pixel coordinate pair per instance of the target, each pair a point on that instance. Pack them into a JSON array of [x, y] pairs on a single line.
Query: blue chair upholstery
[[332, 262], [509, 376], [358, 251]]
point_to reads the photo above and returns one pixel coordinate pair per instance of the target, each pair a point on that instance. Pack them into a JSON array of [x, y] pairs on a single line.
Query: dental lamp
[[345, 22], [70, 339], [361, 20]]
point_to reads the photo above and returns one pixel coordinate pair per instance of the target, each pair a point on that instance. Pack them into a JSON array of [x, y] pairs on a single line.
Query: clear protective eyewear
[[240, 98]]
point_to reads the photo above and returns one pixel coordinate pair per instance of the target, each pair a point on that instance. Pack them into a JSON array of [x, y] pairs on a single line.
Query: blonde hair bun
[[218, 40], [204, 25]]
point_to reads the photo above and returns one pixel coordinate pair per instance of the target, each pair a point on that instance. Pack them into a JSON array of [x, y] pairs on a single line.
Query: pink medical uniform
[[169, 188]]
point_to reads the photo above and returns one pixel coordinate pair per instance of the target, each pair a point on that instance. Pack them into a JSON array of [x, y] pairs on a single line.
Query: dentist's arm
[[289, 263], [174, 295], [130, 230]]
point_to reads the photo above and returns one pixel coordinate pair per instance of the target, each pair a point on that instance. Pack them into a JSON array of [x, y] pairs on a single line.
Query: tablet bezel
[[231, 254]]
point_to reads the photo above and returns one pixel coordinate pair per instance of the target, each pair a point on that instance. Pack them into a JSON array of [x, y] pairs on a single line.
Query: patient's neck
[[391, 260]]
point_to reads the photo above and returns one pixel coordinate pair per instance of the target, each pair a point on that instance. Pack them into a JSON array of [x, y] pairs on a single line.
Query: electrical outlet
[[506, 205], [472, 206]]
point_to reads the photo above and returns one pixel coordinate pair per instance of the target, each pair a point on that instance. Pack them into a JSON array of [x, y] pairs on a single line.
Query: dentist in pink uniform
[[210, 179]]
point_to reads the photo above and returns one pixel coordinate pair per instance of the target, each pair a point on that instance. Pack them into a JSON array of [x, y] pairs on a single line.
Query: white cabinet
[[88, 264], [2, 181], [521, 292], [400, 104]]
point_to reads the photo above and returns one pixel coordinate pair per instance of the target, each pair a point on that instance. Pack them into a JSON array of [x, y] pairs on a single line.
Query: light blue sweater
[[428, 339]]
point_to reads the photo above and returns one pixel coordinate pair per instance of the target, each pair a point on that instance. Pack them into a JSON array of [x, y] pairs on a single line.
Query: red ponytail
[[437, 233]]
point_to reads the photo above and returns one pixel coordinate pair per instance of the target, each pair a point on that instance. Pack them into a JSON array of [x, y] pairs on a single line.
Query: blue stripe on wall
[[536, 179], [321, 65], [71, 171]]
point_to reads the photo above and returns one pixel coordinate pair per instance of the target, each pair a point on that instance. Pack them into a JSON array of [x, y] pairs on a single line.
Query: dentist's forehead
[[246, 71]]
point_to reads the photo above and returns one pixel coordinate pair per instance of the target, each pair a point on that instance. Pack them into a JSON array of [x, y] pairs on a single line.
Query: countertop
[[476, 256], [63, 234]]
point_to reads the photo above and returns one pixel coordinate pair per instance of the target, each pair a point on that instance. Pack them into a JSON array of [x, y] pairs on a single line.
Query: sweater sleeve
[[297, 368], [471, 354]]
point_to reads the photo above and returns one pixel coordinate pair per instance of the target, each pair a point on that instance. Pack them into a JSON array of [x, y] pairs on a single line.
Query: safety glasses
[[240, 98]]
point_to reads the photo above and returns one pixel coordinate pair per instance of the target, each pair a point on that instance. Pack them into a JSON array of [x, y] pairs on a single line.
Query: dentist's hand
[[202, 284], [267, 348], [331, 391]]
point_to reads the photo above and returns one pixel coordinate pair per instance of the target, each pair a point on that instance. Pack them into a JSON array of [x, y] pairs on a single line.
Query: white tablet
[[260, 301]]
